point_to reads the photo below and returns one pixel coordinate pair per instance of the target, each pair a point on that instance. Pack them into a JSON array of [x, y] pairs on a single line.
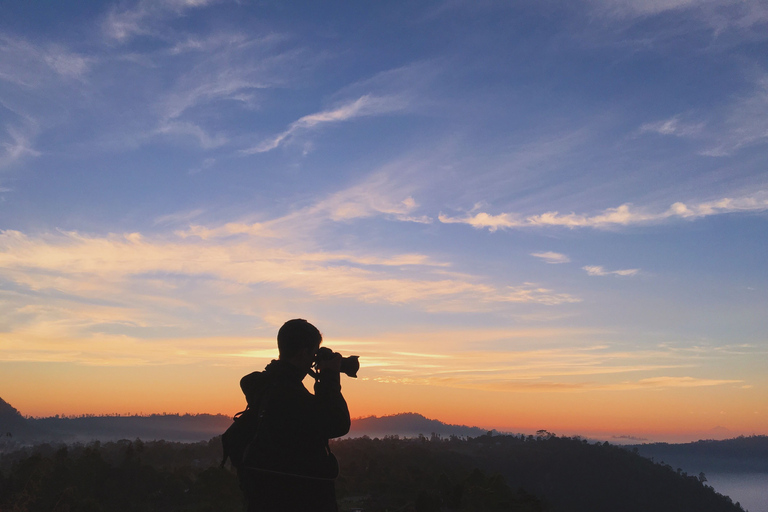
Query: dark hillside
[[738, 455], [563, 474], [12, 423], [483, 474]]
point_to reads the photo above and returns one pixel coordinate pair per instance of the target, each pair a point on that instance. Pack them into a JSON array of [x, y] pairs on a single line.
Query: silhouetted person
[[289, 467]]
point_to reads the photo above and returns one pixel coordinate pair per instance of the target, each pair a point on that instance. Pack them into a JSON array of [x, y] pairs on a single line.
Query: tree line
[[487, 473]]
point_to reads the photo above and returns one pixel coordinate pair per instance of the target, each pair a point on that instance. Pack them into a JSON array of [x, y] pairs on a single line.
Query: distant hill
[[15, 429], [12, 423], [409, 424], [195, 427], [171, 427], [200, 427], [738, 455]]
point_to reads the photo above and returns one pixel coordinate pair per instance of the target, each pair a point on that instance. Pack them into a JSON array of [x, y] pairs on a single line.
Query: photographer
[[288, 466]]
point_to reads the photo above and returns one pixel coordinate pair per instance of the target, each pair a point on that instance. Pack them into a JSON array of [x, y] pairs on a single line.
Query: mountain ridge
[[410, 424], [197, 427]]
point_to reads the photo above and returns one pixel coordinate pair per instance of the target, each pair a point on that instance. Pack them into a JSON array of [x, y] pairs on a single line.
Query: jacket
[[296, 425]]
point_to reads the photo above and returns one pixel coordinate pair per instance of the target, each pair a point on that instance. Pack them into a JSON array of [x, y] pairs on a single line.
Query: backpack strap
[[235, 419]]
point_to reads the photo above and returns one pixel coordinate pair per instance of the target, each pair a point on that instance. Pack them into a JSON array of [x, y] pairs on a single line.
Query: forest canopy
[[421, 474]]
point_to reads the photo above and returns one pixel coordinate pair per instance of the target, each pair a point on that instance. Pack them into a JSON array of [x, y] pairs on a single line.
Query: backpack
[[247, 443], [245, 425], [238, 436]]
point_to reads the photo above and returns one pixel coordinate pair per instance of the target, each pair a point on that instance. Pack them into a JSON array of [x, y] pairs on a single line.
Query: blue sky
[[534, 202]]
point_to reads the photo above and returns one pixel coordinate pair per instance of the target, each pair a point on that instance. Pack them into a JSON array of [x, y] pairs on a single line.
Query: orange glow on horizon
[[640, 413]]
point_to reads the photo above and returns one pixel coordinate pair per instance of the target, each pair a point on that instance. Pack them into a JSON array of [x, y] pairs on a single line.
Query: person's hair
[[296, 335]]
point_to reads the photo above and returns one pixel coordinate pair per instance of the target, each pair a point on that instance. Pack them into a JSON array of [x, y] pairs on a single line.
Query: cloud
[[596, 270], [211, 43], [55, 342], [205, 140], [367, 105], [16, 145], [221, 74], [379, 194], [64, 332], [645, 7], [35, 66], [552, 257], [650, 383], [124, 23], [386, 193], [67, 64], [624, 215], [178, 217], [719, 15], [226, 230], [529, 292], [534, 361], [104, 268], [743, 122], [673, 126], [413, 84], [683, 382], [484, 220], [229, 67]]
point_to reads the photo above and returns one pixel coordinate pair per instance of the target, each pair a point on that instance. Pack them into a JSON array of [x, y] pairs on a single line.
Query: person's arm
[[332, 411]]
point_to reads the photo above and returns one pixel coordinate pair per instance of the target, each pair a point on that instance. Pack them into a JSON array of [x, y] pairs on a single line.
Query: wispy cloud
[[15, 145], [719, 15], [596, 270], [205, 140], [227, 230], [379, 194], [673, 126], [543, 360], [644, 7], [552, 257], [624, 215], [745, 122], [225, 71], [683, 382], [385, 193], [529, 363], [363, 106], [178, 217], [584, 386], [232, 68], [56, 341], [212, 43], [741, 123], [32, 66], [104, 268], [122, 23]]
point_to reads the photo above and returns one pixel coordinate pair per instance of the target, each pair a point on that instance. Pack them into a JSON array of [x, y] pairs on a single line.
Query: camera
[[349, 365]]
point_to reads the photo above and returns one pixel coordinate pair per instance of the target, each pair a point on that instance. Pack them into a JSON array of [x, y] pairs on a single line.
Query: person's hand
[[333, 363]]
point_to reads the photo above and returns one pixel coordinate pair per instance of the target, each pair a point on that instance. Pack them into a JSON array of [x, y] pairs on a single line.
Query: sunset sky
[[520, 215]]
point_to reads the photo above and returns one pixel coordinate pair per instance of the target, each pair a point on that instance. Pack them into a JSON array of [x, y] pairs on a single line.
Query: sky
[[520, 215]]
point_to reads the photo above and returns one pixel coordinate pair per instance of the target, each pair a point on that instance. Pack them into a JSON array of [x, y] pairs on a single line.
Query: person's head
[[297, 342]]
